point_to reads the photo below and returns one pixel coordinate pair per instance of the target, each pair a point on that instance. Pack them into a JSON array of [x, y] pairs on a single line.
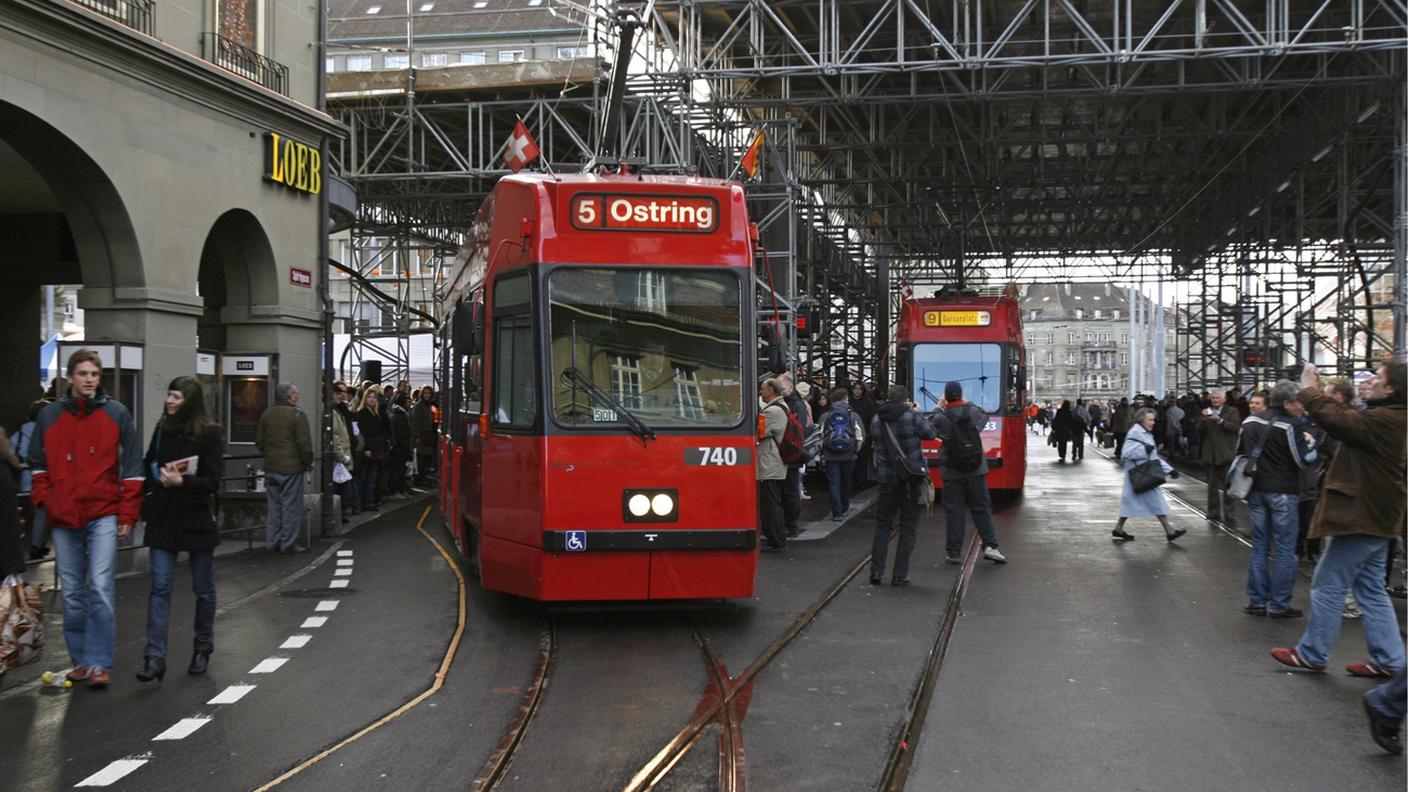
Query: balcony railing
[[140, 15], [236, 57]]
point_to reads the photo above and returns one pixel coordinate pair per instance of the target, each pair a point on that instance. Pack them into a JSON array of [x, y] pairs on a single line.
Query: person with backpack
[[899, 468], [792, 492], [772, 470], [842, 437], [964, 468]]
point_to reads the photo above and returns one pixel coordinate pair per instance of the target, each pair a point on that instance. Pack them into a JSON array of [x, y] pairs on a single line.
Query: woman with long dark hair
[[183, 473], [375, 444]]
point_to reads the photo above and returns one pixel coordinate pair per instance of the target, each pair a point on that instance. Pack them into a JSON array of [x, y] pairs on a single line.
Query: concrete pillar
[[19, 352]]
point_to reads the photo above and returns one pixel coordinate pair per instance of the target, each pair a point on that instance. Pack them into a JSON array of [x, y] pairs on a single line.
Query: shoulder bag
[[924, 486], [1241, 474], [1147, 474]]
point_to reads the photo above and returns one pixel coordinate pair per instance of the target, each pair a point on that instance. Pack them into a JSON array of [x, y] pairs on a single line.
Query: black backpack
[[964, 451]]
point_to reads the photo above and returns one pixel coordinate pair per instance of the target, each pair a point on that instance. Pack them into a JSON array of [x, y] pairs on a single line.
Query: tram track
[[499, 762]]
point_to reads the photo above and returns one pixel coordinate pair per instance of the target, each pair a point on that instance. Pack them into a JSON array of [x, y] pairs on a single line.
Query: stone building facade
[[165, 157]]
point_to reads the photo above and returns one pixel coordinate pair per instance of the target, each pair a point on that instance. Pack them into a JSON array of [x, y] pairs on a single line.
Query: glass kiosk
[[247, 390]]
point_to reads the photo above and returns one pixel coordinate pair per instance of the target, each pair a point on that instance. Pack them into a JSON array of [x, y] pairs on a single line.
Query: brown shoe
[[98, 678], [77, 674]]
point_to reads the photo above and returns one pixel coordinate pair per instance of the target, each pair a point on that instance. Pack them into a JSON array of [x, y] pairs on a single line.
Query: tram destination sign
[[957, 318], [687, 214]]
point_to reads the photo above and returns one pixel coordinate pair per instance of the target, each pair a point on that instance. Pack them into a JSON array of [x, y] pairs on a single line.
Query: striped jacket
[[86, 458]]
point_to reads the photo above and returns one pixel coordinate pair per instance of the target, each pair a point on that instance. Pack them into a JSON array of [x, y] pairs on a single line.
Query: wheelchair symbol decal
[[576, 541]]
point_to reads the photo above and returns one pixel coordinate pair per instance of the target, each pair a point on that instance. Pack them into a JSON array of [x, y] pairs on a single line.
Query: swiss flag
[[521, 148], [906, 291]]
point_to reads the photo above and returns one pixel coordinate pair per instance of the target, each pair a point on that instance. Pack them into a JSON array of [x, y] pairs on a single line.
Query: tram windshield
[[977, 367], [665, 343]]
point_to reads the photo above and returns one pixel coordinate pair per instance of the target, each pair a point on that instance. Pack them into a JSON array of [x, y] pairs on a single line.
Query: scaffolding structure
[[1252, 151]]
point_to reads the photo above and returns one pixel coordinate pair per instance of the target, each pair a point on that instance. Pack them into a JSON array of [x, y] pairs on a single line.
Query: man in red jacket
[[86, 457]]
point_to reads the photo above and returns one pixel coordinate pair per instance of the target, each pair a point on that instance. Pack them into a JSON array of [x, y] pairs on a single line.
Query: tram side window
[[515, 404]]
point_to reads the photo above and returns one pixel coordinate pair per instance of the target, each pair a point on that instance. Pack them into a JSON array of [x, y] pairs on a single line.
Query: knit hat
[[804, 389], [953, 391]]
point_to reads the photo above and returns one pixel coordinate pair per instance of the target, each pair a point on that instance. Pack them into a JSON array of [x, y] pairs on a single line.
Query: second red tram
[[976, 341], [599, 437]]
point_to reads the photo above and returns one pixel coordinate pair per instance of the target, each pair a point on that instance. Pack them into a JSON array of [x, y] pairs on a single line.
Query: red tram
[[598, 361], [976, 341]]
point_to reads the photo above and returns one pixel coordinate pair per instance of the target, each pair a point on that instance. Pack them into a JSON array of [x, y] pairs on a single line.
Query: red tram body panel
[[598, 364], [976, 341]]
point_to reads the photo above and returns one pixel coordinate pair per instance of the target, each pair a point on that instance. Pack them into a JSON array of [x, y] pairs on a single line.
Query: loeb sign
[[295, 165], [694, 214]]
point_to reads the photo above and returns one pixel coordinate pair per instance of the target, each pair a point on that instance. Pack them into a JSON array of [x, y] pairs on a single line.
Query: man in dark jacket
[[1120, 421], [1220, 424], [92, 500], [1275, 493], [284, 439], [400, 454], [841, 437], [899, 463], [865, 408], [1362, 508], [964, 490]]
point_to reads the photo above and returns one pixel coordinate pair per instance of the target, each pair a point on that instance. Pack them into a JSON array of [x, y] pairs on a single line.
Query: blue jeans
[[1275, 520], [838, 482], [159, 602], [87, 559], [1390, 698], [1352, 561]]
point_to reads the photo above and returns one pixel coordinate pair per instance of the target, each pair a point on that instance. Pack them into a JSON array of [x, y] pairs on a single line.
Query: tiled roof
[[1060, 300]]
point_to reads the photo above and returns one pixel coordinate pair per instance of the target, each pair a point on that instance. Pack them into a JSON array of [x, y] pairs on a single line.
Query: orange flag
[[749, 163]]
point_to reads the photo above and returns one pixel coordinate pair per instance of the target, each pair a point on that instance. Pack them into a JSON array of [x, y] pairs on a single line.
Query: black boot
[[153, 669], [199, 662]]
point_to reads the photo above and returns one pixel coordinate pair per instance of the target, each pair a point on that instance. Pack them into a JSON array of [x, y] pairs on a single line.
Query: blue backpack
[[840, 432]]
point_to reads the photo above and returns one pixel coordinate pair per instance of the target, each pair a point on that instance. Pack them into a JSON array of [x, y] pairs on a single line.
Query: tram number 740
[[718, 456]]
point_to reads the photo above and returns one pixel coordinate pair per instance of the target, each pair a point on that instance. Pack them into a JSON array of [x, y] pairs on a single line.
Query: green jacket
[[284, 440]]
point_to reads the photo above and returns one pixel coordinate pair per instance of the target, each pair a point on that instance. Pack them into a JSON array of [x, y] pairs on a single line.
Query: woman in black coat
[[375, 444], [183, 473], [400, 454], [1061, 429]]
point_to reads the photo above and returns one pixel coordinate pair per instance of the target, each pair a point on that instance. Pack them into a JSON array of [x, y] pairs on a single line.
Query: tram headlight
[[638, 504], [650, 505], [662, 505]]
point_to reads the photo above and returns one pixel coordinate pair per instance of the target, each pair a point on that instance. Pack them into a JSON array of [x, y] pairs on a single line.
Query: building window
[[481, 3], [567, 53], [330, 65], [240, 21], [511, 56], [650, 291], [376, 9], [625, 381], [472, 57], [396, 61], [430, 59], [1104, 381], [1050, 358], [688, 401], [1115, 313], [1080, 312], [1124, 338], [1099, 314], [356, 63], [427, 6], [1124, 358]]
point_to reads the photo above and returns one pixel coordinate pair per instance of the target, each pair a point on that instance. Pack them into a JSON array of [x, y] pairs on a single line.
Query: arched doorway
[[64, 223], [237, 272]]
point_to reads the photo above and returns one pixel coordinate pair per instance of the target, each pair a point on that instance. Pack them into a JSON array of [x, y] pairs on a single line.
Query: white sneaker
[[994, 555]]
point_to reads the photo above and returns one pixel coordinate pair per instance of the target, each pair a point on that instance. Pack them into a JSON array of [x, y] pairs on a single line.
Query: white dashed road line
[[231, 694], [344, 562], [112, 773], [326, 605], [313, 622], [184, 728], [296, 642], [339, 584], [342, 571], [344, 553], [269, 665]]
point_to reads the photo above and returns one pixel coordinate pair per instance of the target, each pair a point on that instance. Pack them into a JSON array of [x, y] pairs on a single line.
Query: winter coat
[[1139, 447], [1364, 488], [86, 459], [341, 435], [944, 428], [1061, 426], [770, 466], [857, 433], [374, 435], [909, 428], [400, 432], [1174, 421], [1122, 419], [181, 518], [1219, 439], [423, 425], [283, 438], [1285, 454]]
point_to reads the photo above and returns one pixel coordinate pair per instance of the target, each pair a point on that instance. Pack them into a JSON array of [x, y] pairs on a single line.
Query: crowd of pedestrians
[[86, 503]]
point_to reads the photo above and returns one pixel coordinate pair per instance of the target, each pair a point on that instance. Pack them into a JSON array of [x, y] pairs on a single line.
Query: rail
[[235, 57], [140, 15]]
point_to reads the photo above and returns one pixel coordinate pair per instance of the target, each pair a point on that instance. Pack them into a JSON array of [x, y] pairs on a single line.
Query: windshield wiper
[[629, 418]]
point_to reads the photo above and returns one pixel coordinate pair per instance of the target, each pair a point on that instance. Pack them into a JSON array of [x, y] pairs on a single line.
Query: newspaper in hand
[[186, 466]]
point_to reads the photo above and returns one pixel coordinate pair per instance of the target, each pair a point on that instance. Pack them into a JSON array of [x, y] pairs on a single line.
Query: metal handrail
[[140, 15], [235, 57]]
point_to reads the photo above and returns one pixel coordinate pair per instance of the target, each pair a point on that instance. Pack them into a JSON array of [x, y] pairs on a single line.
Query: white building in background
[[1078, 341]]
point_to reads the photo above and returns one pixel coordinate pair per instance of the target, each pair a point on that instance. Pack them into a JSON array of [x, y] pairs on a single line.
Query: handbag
[[1241, 474], [1147, 475], [21, 623], [923, 486]]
